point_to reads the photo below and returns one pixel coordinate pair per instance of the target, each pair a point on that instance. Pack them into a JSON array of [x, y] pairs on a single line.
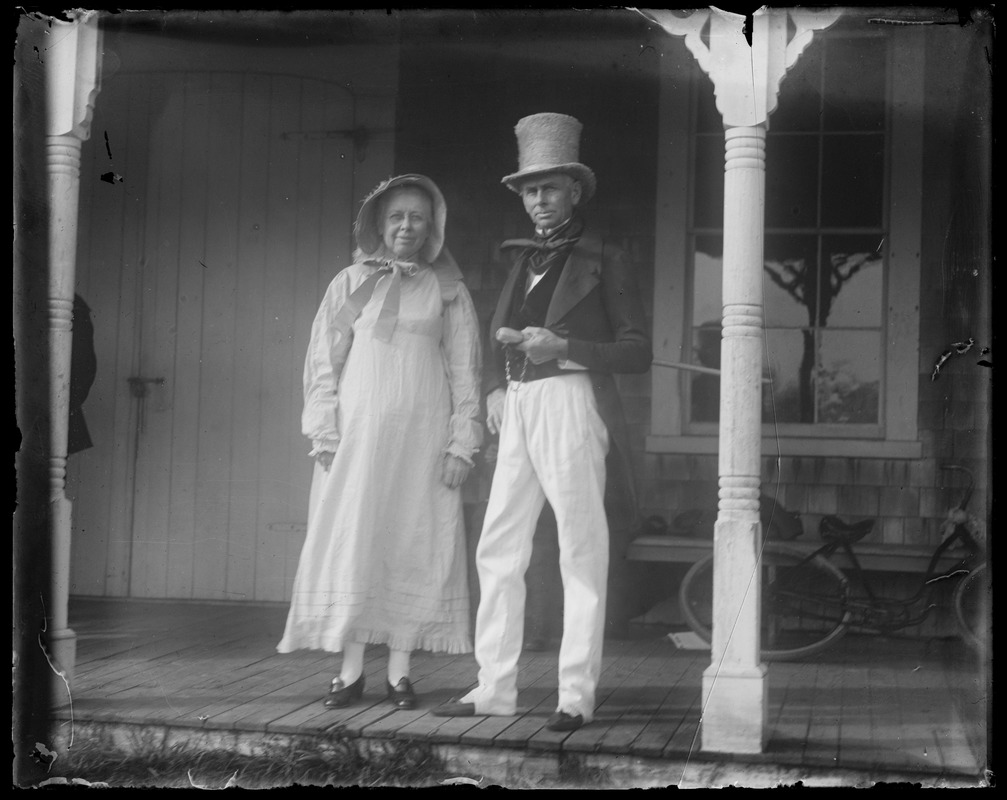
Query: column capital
[[72, 59], [746, 77]]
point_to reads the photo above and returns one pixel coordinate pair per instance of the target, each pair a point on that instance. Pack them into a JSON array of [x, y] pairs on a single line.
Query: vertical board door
[[215, 209]]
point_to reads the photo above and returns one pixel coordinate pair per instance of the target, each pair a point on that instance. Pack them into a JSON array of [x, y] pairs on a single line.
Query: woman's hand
[[455, 471], [494, 410], [324, 459]]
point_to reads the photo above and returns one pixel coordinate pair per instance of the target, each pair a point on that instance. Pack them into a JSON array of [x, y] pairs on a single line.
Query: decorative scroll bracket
[[73, 69], [746, 78]]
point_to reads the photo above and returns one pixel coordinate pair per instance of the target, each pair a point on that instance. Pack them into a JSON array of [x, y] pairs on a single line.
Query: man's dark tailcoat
[[596, 307]]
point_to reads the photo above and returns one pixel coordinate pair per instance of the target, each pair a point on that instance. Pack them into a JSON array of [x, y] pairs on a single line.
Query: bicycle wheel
[[971, 603], [804, 603]]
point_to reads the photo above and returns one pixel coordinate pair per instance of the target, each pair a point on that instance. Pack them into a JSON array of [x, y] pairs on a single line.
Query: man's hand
[[541, 345], [455, 471], [509, 336], [324, 458], [494, 410]]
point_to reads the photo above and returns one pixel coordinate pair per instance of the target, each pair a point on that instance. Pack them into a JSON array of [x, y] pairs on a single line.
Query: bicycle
[[808, 603]]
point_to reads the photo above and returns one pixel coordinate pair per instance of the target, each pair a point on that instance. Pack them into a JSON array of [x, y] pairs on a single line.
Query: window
[[839, 255]]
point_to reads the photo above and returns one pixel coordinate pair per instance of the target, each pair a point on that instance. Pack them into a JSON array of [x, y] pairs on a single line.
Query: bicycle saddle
[[833, 529]]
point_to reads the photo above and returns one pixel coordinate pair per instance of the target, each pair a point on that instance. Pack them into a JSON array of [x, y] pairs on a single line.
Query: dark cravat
[[540, 252], [538, 243]]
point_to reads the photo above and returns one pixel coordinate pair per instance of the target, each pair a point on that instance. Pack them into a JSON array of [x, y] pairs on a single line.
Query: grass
[[336, 761], [144, 760]]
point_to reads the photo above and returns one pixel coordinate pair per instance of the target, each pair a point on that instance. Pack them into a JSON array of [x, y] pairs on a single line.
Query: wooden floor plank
[[626, 662], [124, 672], [662, 707], [452, 680], [825, 729], [191, 696], [680, 714], [874, 704], [230, 702], [855, 711], [422, 668], [185, 644], [302, 691], [531, 727], [314, 716], [536, 673], [625, 698], [163, 691], [641, 697], [964, 682], [791, 703]]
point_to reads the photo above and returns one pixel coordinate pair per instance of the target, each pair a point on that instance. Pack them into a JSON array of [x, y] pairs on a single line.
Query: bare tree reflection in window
[[803, 281]]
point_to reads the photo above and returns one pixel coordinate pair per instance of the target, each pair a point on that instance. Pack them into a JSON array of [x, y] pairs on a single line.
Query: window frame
[[896, 435]]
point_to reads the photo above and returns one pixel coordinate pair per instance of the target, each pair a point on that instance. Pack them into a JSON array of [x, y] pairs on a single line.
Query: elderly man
[[568, 317]]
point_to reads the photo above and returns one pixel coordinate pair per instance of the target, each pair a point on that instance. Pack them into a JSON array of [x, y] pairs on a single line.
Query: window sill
[[838, 448]]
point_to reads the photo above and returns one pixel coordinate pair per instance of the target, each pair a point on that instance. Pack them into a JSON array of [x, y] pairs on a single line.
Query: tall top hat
[[550, 143]]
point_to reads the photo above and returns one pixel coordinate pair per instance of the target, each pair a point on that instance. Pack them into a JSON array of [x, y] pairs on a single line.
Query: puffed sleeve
[[462, 353], [319, 420]]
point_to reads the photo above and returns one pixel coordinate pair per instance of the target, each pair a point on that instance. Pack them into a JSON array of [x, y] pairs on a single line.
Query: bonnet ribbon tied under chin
[[384, 327]]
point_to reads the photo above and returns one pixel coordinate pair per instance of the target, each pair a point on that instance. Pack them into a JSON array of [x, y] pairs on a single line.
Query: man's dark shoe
[[455, 709], [561, 721]]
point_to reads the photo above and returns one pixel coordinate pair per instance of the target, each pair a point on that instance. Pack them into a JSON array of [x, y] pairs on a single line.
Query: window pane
[[824, 259], [709, 182], [707, 283], [855, 77], [852, 168], [800, 101], [790, 356], [791, 181], [790, 280], [705, 388], [853, 295], [707, 310], [849, 377]]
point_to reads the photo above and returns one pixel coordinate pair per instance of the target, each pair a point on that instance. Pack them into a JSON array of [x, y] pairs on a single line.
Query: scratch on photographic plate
[[960, 349], [61, 673], [232, 782]]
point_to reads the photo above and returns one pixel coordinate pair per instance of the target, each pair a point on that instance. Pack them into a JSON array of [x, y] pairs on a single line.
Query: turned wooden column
[[72, 78], [746, 79], [734, 685]]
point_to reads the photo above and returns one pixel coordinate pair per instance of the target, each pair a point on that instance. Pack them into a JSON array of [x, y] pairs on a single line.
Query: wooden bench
[[873, 557], [687, 550]]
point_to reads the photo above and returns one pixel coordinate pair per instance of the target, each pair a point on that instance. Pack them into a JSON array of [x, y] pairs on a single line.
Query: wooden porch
[[871, 710]]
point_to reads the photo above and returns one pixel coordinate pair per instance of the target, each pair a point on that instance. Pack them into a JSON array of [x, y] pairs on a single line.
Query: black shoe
[[456, 709], [341, 695], [561, 721], [401, 694]]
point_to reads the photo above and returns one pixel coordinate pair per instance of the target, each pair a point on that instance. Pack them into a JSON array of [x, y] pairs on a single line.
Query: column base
[[62, 646], [734, 709]]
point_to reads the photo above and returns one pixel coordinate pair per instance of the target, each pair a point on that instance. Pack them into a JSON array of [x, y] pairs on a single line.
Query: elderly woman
[[391, 406]]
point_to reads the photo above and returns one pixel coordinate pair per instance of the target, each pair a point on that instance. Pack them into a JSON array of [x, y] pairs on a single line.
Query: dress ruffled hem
[[449, 645]]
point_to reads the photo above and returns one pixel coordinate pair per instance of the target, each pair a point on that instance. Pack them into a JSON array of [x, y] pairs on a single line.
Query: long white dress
[[384, 557]]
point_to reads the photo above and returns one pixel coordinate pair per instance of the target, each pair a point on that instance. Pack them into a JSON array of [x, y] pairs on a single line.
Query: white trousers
[[553, 444]]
